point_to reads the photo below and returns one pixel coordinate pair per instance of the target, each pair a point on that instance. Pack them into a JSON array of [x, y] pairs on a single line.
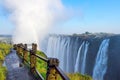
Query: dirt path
[[15, 72]]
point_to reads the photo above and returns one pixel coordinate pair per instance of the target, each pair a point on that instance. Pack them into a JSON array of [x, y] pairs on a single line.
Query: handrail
[[62, 74], [42, 58], [53, 68], [40, 76]]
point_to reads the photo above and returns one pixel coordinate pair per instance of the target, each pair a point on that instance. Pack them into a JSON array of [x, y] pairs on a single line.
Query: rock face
[[79, 53], [113, 71]]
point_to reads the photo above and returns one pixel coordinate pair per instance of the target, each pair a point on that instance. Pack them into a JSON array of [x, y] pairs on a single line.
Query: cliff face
[[113, 71], [70, 51], [92, 53]]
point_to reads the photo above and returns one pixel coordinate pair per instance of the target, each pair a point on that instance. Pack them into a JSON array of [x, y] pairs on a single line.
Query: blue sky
[[94, 16], [6, 26]]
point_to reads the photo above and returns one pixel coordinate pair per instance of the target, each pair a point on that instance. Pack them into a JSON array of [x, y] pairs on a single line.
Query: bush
[[3, 72], [77, 76], [42, 68], [41, 65], [4, 50]]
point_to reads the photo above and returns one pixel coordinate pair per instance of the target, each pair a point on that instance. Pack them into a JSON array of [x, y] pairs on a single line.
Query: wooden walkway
[[15, 71], [18, 72]]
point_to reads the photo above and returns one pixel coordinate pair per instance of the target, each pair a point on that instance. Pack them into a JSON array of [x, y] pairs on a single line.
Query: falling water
[[62, 47], [78, 57], [83, 65], [58, 47], [101, 61], [81, 58], [85, 55], [71, 53]]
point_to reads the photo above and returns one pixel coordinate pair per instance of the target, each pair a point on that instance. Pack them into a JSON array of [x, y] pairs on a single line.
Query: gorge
[[95, 55]]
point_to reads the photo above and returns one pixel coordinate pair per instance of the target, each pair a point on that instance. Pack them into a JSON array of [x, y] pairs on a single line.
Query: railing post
[[15, 47], [52, 74], [21, 49], [33, 58], [18, 49], [25, 53]]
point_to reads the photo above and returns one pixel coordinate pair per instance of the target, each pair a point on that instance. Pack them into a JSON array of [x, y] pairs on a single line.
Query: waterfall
[[81, 58], [72, 53], [64, 48], [78, 57], [83, 65], [85, 54], [69, 50], [57, 47], [101, 61]]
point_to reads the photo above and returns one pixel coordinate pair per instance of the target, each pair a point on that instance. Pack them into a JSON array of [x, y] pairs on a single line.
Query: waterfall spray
[[33, 18]]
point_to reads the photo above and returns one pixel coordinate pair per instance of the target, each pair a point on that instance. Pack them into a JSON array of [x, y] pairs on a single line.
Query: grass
[[4, 50], [78, 76], [42, 67], [3, 72]]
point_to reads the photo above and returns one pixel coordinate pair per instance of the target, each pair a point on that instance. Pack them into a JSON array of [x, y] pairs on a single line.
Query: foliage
[[3, 71], [1, 55], [4, 50], [42, 67], [77, 76], [41, 54]]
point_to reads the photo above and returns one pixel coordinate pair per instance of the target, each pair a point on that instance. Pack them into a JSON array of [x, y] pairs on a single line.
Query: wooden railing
[[53, 69]]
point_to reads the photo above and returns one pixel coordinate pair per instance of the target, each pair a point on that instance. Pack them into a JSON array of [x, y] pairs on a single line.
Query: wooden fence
[[53, 69]]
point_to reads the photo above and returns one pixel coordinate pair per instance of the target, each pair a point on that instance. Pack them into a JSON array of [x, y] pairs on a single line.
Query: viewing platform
[[21, 65]]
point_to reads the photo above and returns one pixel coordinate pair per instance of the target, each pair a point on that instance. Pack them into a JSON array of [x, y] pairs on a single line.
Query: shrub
[[77, 76], [4, 50], [42, 67], [3, 72]]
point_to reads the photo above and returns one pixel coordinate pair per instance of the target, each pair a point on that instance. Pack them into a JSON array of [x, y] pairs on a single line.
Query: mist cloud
[[33, 18]]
